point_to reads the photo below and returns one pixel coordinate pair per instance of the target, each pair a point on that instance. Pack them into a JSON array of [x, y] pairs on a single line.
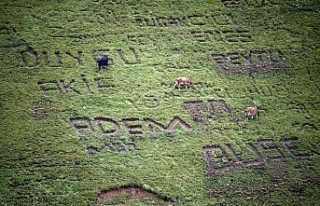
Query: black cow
[[103, 61]]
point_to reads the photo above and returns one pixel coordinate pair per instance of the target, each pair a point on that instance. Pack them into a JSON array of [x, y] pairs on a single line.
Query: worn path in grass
[[71, 135]]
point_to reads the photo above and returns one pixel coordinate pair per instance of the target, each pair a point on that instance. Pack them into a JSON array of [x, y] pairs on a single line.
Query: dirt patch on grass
[[127, 194]]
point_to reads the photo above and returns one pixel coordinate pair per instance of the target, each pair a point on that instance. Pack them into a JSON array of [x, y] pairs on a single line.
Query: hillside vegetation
[[73, 135]]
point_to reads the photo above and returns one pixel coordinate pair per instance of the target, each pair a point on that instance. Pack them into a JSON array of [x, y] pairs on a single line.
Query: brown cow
[[252, 112], [182, 81]]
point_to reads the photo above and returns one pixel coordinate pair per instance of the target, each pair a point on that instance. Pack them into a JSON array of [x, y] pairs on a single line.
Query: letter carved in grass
[[113, 131], [256, 170], [213, 109], [28, 56], [239, 3], [229, 157], [250, 62], [79, 86], [41, 109]]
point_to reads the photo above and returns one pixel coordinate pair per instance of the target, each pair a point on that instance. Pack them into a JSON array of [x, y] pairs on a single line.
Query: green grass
[[44, 162]]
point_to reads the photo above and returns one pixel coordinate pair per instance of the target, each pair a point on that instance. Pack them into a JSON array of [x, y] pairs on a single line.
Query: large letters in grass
[[78, 86], [122, 135], [227, 157], [108, 127]]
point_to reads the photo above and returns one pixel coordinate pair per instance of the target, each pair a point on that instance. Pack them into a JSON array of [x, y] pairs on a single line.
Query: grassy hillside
[[73, 135]]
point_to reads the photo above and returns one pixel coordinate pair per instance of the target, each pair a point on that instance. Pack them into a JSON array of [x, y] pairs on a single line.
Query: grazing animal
[[183, 81], [103, 61], [252, 112]]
